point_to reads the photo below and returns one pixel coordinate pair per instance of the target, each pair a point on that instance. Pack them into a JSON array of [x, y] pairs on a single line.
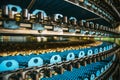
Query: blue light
[[32, 62], [10, 6], [55, 59], [37, 11], [9, 65]]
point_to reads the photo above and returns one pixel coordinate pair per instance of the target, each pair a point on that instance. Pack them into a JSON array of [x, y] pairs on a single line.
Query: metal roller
[[74, 22], [81, 23], [40, 16], [94, 58], [48, 73], [91, 25], [98, 57], [11, 14], [5, 11], [96, 26], [65, 19], [32, 18], [69, 67], [101, 56], [87, 24], [59, 69], [89, 60], [25, 13], [101, 27], [77, 65], [83, 62]]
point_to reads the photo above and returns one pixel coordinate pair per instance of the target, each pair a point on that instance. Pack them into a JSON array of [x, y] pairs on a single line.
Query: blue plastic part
[[18, 8], [35, 61], [8, 65], [37, 11], [10, 25]]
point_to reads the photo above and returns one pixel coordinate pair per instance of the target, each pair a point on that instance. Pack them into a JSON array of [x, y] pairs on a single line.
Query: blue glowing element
[[102, 70], [105, 49], [37, 11], [81, 54], [37, 26], [92, 77], [55, 59], [96, 51], [90, 52], [18, 8], [100, 50], [83, 20], [10, 25], [9, 65], [57, 16], [72, 18], [105, 67], [70, 56], [97, 73], [36, 61]]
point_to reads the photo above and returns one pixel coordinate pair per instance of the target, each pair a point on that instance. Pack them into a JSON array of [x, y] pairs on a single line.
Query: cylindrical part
[[37, 76], [40, 16], [61, 70], [11, 14], [87, 24], [54, 18], [5, 10], [48, 73], [77, 65], [65, 20], [69, 67], [81, 23], [32, 18], [92, 26], [17, 17], [25, 14]]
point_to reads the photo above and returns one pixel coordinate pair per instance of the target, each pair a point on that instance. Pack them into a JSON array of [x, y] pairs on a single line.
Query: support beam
[[93, 19]]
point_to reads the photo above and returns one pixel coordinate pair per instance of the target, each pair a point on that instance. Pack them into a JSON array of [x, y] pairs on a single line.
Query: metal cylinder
[[74, 22], [61, 70], [92, 26], [5, 10], [25, 13], [11, 14], [40, 16], [17, 17], [81, 23], [97, 26], [87, 24], [77, 65], [65, 20], [32, 18], [69, 67], [54, 18]]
